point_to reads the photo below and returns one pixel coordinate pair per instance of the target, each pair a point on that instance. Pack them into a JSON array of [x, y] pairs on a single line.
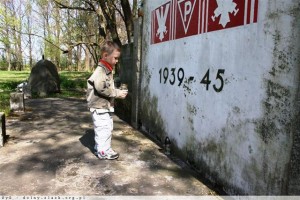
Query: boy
[[100, 97]]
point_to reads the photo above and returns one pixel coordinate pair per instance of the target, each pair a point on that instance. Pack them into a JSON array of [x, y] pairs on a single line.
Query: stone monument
[[44, 79]]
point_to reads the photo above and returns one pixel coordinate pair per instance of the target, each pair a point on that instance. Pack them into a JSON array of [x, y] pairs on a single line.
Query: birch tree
[[5, 22]]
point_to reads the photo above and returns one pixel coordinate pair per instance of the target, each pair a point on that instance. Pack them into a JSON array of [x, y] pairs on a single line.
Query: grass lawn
[[72, 85]]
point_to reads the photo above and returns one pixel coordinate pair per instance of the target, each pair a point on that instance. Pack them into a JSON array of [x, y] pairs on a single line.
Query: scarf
[[107, 65]]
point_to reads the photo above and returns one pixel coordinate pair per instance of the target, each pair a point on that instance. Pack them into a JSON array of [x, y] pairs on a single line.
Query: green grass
[[73, 80], [73, 84], [8, 82]]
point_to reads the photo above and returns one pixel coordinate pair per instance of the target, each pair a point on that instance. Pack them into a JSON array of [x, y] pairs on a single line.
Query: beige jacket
[[101, 91]]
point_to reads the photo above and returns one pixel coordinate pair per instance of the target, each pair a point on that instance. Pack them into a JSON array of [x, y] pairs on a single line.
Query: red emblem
[[231, 13], [161, 23], [186, 18]]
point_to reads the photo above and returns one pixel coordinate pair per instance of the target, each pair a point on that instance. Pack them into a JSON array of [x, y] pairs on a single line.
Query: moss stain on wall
[[276, 126], [293, 182], [150, 117]]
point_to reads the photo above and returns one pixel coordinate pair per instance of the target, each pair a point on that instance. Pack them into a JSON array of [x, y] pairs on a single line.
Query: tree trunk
[[134, 9], [79, 51], [69, 58], [57, 36], [110, 17], [87, 59], [6, 37], [8, 58], [29, 29], [19, 47], [29, 43], [128, 19]]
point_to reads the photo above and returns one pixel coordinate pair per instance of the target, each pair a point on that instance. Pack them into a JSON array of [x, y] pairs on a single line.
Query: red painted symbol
[[231, 13], [186, 17], [161, 24]]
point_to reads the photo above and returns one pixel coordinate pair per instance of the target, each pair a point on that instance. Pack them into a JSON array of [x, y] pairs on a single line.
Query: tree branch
[[63, 6], [119, 11], [33, 34], [72, 45]]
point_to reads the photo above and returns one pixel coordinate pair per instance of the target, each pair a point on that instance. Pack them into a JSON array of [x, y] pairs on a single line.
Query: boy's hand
[[123, 94]]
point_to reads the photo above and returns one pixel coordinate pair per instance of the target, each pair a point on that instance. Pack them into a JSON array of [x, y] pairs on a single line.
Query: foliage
[[3, 63]]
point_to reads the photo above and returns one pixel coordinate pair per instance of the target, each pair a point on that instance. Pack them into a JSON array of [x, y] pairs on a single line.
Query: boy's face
[[112, 58]]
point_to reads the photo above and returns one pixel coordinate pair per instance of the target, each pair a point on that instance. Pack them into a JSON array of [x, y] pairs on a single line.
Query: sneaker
[[109, 155]]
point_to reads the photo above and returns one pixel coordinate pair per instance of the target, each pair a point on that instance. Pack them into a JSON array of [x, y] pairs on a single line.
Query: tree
[[11, 15], [106, 12], [17, 25], [57, 35], [28, 29], [5, 32], [128, 17]]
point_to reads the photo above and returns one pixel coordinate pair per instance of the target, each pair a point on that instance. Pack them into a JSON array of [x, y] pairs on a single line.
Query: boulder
[[44, 79]]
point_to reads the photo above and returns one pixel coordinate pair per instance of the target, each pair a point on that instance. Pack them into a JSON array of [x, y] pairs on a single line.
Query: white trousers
[[103, 126]]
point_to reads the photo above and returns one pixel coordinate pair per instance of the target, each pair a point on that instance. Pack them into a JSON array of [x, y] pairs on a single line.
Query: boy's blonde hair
[[109, 47]]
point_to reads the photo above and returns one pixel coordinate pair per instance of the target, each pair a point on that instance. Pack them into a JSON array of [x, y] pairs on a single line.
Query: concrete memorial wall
[[220, 78]]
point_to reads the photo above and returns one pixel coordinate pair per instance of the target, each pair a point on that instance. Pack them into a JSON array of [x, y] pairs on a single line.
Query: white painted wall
[[242, 132]]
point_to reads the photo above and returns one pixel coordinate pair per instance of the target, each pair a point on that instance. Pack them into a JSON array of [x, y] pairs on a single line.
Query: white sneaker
[[109, 155]]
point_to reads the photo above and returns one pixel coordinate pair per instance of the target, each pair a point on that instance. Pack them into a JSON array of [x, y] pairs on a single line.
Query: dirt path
[[49, 152]]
